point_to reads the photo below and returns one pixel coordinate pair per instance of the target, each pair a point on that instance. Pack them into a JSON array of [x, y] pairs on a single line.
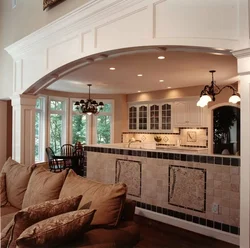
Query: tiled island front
[[198, 189]]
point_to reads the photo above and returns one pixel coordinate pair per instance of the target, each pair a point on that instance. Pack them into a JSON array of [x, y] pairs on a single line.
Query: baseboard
[[210, 232]]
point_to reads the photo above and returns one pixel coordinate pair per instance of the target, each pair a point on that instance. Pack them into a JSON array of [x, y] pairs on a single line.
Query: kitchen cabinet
[[138, 117], [151, 117], [187, 114]]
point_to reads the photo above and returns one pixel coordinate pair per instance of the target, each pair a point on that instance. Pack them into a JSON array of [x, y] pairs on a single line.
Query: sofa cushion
[[5, 220], [17, 178], [43, 186], [33, 214], [3, 199], [107, 199], [7, 209], [6, 232], [56, 230]]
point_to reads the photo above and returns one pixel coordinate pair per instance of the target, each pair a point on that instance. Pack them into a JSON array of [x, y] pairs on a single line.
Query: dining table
[[77, 162]]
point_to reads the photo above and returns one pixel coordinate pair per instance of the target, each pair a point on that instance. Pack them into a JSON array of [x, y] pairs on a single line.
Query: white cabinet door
[[187, 114], [180, 118], [194, 114]]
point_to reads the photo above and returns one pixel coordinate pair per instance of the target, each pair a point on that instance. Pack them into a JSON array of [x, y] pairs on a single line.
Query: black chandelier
[[89, 106], [213, 90]]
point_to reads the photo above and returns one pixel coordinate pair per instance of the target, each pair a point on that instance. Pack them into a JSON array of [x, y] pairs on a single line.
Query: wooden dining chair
[[55, 165], [67, 150]]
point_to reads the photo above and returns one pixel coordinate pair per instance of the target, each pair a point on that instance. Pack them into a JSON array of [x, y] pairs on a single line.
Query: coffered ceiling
[[178, 69]]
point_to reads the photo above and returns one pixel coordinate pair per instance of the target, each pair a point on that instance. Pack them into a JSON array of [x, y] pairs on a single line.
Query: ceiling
[[178, 69]]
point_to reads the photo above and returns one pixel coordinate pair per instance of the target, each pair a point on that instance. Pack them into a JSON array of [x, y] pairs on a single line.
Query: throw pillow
[[43, 186], [33, 214], [17, 178], [107, 199], [3, 199], [56, 230]]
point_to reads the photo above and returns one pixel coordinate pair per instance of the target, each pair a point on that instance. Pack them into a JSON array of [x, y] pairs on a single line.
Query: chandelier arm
[[205, 90]]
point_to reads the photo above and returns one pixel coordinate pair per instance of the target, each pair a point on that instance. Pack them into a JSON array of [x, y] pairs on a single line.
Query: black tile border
[[190, 218], [159, 154]]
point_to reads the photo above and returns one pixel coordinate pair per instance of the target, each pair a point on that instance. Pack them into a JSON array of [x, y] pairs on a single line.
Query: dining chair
[[67, 150], [55, 165]]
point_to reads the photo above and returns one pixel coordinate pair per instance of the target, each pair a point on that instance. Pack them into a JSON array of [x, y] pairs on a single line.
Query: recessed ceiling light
[[169, 87], [161, 57], [139, 75], [138, 91], [112, 68], [161, 80]]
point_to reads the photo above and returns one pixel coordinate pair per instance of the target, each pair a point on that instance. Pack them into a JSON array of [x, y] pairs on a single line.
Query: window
[[40, 129], [79, 125], [57, 124], [104, 124]]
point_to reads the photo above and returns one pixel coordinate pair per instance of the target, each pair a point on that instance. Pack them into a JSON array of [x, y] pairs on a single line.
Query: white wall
[[3, 132]]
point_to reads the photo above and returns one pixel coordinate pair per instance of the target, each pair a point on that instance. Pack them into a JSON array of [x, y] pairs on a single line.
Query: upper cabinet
[[150, 117], [164, 116], [187, 114]]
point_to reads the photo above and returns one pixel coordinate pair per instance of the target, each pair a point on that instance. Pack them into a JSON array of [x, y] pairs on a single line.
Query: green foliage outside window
[[103, 129], [56, 105], [56, 129], [79, 129], [37, 137]]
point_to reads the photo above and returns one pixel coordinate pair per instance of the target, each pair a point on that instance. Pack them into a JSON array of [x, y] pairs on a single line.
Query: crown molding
[[81, 18], [243, 53]]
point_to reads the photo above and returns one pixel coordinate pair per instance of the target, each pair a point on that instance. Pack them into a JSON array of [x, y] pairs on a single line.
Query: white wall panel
[[63, 52], [87, 42], [18, 75], [33, 62], [215, 19], [124, 30]]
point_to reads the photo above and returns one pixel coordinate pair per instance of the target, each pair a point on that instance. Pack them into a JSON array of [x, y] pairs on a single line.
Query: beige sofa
[[25, 187]]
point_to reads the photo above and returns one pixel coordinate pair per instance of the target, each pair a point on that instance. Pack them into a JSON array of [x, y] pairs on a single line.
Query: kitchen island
[[191, 186]]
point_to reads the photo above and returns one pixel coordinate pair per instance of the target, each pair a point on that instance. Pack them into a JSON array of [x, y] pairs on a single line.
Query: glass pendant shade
[[234, 98]]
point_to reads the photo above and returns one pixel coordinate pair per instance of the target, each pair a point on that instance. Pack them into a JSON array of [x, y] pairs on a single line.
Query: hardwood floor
[[158, 235]]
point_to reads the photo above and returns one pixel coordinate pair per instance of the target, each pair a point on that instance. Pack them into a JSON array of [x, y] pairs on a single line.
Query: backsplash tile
[[188, 137]]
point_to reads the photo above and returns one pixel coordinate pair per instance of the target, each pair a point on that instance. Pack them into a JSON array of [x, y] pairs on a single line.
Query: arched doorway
[[226, 130]]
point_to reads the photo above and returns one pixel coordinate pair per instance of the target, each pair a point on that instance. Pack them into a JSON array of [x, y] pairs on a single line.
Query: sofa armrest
[[128, 210]]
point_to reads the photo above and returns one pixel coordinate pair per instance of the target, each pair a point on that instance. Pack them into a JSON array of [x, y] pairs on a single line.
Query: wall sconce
[[209, 92]]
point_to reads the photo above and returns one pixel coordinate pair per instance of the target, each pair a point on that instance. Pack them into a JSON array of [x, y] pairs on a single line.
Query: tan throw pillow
[[17, 178], [43, 186], [107, 199], [56, 230], [3, 199], [5, 234], [33, 214]]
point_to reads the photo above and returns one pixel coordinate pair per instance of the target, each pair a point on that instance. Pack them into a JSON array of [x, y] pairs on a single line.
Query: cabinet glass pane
[[166, 116], [143, 117], [132, 117], [154, 117]]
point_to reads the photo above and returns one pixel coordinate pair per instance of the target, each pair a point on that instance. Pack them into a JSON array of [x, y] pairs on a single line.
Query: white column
[[243, 57], [23, 128], [3, 132]]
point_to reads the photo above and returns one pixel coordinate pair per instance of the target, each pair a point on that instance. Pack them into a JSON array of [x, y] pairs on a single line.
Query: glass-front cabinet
[[132, 118], [150, 117], [166, 116], [143, 117]]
